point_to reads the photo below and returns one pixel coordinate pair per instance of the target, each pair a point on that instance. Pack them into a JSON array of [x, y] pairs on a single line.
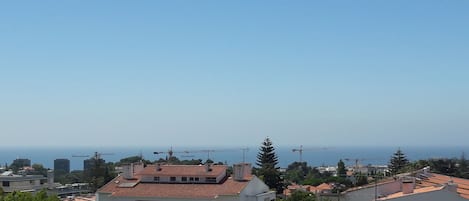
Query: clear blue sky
[[230, 73]]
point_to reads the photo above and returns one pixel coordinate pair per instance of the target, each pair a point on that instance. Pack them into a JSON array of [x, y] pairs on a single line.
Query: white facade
[[10, 182], [163, 183]]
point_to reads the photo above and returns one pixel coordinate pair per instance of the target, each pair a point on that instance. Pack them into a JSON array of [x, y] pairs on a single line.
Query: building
[[20, 163], [321, 189], [92, 164], [418, 185], [62, 165], [184, 183], [11, 182]]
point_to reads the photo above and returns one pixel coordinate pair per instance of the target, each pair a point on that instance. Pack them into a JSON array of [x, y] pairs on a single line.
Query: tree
[[341, 171], [267, 161], [27, 196], [297, 171], [462, 170], [299, 195], [267, 158], [398, 162]]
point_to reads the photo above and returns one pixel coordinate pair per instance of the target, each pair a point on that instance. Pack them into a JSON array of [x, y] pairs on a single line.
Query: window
[[191, 178], [211, 179], [6, 183], [172, 179], [157, 179], [184, 179], [196, 179]]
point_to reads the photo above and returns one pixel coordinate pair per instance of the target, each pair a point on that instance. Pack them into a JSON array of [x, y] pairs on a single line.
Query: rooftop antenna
[[246, 149]]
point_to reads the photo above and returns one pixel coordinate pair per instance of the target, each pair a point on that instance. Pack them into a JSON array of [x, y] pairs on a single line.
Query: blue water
[[314, 157]]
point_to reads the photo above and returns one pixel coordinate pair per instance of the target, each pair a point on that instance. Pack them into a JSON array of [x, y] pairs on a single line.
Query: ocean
[[313, 156]]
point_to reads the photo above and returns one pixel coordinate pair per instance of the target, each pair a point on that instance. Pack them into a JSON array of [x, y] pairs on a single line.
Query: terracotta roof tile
[[176, 190], [416, 191], [183, 170]]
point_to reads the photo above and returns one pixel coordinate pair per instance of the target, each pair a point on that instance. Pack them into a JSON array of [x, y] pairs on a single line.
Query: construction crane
[[301, 149], [170, 152], [356, 160], [211, 151], [96, 155]]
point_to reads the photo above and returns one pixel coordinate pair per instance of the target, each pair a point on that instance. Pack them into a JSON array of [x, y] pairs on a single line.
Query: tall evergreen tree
[[341, 171], [398, 162], [267, 161], [266, 158]]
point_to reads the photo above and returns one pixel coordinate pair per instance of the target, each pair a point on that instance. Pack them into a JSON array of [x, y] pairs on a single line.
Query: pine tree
[[341, 171], [266, 158], [267, 161], [398, 162]]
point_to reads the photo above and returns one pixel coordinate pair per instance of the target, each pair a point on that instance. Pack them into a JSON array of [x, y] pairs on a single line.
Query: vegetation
[[267, 162], [448, 166], [299, 195], [98, 173], [341, 171], [27, 196], [132, 159], [301, 173], [398, 162]]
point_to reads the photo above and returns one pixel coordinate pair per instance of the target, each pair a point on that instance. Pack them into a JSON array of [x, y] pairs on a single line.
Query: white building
[[419, 185], [185, 182], [10, 182]]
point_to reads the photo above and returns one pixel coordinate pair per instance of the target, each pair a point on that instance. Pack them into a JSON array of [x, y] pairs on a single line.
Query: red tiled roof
[[183, 170], [439, 179], [176, 190], [416, 191], [433, 182], [324, 186]]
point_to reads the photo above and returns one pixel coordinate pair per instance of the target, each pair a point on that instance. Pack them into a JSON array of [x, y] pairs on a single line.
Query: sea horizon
[[313, 155]]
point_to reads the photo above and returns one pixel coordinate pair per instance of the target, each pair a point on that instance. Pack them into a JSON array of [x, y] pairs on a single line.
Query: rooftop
[[228, 187], [183, 170]]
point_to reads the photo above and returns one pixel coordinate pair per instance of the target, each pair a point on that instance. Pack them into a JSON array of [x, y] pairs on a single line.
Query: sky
[[231, 73]]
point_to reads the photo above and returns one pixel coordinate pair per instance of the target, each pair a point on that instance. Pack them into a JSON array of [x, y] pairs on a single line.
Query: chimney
[[407, 185], [241, 171], [208, 167], [158, 167], [138, 167], [128, 171]]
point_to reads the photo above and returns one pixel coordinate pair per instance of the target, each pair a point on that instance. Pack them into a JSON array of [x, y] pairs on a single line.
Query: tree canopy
[[27, 196], [398, 162], [267, 161]]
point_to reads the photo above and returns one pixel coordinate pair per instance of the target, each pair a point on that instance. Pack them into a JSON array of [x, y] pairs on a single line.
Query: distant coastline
[[312, 155]]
